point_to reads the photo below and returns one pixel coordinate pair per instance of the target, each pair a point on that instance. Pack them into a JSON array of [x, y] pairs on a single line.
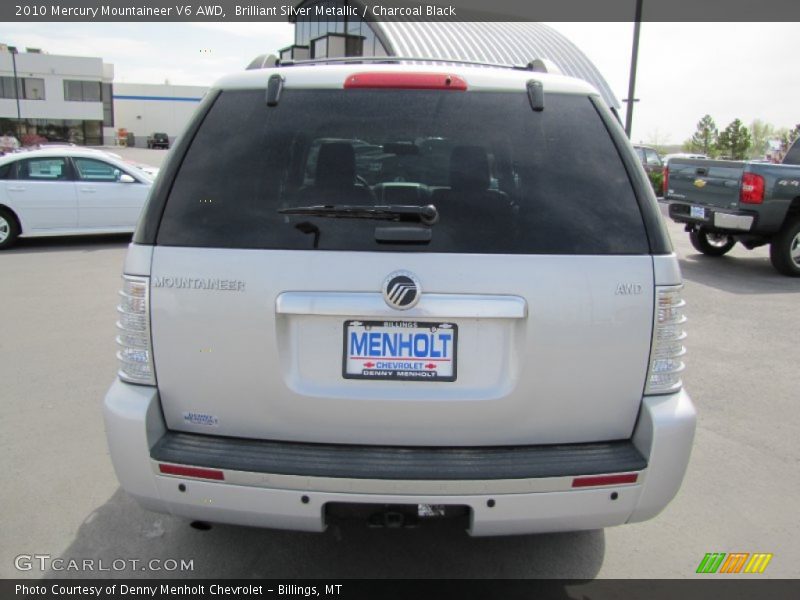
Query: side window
[[96, 170], [652, 158], [43, 169], [5, 170]]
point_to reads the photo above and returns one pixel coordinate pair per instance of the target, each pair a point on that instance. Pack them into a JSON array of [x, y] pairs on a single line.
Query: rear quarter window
[[793, 155], [504, 178]]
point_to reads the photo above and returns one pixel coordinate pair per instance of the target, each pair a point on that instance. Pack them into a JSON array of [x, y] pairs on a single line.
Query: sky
[[686, 70]]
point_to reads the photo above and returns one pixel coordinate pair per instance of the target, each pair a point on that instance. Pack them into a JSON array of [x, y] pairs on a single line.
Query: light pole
[[634, 59], [13, 51], [629, 114]]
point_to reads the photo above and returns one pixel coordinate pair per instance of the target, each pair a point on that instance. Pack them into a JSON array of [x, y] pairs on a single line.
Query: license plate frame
[[424, 368], [697, 212]]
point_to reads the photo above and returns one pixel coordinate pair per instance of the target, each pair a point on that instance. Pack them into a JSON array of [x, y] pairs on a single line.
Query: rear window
[[504, 179], [43, 169]]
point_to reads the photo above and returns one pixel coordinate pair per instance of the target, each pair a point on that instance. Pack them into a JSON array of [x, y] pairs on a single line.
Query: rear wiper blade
[[427, 215]]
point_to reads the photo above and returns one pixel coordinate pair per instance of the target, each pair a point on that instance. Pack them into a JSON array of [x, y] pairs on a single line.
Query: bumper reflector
[[192, 472], [601, 480]]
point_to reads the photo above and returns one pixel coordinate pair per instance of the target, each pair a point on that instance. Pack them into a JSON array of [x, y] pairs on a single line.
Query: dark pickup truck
[[158, 140], [724, 202]]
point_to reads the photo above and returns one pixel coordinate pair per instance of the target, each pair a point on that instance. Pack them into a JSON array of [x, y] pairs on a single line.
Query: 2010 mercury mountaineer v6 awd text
[[402, 291]]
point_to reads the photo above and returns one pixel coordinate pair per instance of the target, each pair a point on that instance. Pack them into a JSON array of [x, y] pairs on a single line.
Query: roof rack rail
[[537, 65], [263, 61]]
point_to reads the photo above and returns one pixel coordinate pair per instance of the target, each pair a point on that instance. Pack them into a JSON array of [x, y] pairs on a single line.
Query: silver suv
[[403, 292]]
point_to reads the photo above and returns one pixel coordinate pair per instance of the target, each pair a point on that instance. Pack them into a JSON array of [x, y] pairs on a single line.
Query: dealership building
[[74, 99], [66, 98], [142, 108]]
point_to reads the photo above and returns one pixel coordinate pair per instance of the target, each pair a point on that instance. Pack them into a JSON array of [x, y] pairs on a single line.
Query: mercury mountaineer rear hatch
[[342, 268]]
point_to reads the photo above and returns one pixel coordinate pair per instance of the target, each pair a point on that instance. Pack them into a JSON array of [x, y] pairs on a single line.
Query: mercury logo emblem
[[401, 290]]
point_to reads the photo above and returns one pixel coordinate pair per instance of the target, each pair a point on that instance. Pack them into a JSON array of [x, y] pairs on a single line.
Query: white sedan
[[68, 191]]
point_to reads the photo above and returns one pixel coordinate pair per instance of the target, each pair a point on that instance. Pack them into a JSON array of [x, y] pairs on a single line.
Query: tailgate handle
[[371, 304], [403, 235], [701, 171]]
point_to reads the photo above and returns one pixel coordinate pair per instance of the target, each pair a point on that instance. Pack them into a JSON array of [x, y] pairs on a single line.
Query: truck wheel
[[784, 251], [711, 244], [9, 230]]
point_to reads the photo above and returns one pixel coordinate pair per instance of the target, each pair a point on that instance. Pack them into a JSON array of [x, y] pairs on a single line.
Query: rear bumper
[[714, 219], [284, 494]]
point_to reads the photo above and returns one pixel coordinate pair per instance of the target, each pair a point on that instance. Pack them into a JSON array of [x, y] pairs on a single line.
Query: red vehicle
[[653, 166]]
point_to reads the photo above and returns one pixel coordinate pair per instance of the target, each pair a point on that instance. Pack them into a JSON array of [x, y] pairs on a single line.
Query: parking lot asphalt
[[60, 496]]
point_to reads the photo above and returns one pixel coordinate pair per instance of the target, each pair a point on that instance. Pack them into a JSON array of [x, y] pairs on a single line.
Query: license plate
[[400, 350], [698, 212]]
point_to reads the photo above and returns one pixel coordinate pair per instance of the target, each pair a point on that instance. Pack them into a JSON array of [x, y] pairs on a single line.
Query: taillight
[[752, 190], [182, 471], [136, 353], [666, 366], [665, 191], [407, 81]]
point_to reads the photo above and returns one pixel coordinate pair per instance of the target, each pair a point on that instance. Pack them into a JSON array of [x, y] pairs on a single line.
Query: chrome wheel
[[5, 229], [711, 244], [718, 240], [794, 250], [784, 250]]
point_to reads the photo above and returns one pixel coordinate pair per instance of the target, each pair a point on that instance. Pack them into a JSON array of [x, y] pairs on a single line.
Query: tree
[[705, 137], [761, 133], [734, 140]]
